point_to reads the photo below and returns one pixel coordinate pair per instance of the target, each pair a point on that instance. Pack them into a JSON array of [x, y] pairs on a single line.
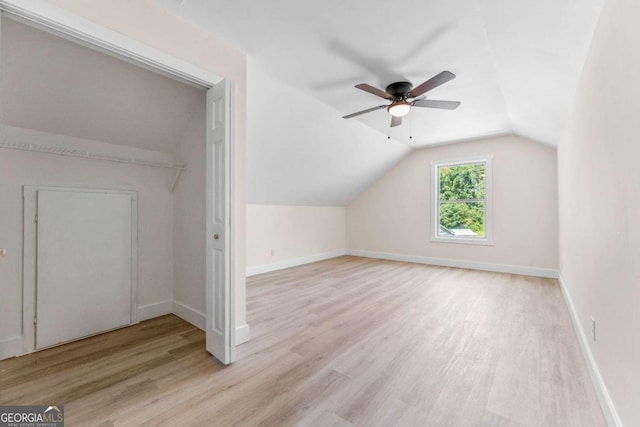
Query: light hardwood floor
[[348, 341]]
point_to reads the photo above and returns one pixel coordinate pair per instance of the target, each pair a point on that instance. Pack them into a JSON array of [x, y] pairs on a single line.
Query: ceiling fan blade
[[374, 91], [396, 121], [430, 103], [432, 83], [364, 111]]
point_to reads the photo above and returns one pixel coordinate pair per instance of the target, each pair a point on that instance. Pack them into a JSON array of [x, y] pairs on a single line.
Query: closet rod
[[60, 151]]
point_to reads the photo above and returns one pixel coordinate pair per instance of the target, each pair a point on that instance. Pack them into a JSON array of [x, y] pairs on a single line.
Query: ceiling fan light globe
[[399, 109]]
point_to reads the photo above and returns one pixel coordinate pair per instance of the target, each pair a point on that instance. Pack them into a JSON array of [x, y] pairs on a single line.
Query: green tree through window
[[461, 198]]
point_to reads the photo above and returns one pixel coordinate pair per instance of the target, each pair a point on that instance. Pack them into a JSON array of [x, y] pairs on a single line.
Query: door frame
[[30, 262], [60, 22]]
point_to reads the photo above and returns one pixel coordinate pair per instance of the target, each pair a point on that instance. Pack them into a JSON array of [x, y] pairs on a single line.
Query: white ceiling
[[53, 85], [301, 154], [517, 62]]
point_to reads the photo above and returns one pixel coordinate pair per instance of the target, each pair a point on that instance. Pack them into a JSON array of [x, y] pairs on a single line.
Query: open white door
[[219, 278]]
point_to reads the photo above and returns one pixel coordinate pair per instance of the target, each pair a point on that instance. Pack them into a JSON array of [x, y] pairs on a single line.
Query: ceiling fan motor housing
[[399, 90]]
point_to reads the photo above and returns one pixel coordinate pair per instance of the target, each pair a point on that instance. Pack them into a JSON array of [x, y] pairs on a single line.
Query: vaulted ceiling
[[517, 65], [517, 62]]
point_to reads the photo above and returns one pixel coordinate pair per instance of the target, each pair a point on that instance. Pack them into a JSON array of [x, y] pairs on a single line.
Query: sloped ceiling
[[517, 65], [299, 154], [53, 85], [517, 62]]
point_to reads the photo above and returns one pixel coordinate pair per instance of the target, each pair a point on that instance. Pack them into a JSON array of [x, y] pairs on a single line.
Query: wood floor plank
[[343, 342]]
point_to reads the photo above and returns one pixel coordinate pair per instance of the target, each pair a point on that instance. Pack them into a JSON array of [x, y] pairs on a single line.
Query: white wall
[[149, 23], [129, 105], [599, 204], [155, 212], [295, 234], [189, 222], [394, 215]]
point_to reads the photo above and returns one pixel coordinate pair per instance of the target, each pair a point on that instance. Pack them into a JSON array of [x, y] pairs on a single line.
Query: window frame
[[487, 240]]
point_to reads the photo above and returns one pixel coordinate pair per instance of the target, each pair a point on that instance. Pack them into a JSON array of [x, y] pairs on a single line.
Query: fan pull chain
[[410, 126], [389, 131]]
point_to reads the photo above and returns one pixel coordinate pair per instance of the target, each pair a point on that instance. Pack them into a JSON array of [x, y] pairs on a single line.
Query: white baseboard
[[280, 265], [189, 314], [199, 320], [10, 347], [149, 311], [242, 334], [473, 265], [606, 403]]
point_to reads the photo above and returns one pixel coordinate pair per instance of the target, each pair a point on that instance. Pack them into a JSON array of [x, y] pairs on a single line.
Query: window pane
[[459, 182], [461, 219]]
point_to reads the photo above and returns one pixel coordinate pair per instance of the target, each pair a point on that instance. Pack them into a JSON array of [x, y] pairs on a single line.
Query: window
[[462, 201]]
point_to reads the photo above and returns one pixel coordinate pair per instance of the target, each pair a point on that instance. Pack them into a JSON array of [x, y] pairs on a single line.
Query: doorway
[[218, 285]]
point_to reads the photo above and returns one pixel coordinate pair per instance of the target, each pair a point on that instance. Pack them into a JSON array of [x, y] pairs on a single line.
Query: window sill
[[463, 241]]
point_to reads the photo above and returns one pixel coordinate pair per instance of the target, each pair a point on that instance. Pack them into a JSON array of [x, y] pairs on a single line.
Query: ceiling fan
[[403, 96]]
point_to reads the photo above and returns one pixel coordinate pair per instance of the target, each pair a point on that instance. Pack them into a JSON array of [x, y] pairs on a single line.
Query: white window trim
[[487, 240]]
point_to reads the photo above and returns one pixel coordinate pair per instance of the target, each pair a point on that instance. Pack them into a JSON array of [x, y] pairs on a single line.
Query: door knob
[[216, 237]]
